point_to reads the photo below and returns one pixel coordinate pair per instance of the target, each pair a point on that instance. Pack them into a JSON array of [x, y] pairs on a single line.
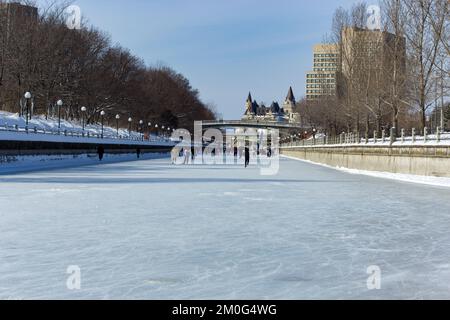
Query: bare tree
[[82, 68], [424, 44]]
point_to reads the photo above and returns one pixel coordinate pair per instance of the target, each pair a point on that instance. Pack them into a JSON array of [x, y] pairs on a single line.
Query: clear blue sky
[[225, 48]]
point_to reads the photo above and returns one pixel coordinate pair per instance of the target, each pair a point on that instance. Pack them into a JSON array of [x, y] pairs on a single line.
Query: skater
[[247, 156], [174, 155], [187, 155], [100, 152], [138, 152]]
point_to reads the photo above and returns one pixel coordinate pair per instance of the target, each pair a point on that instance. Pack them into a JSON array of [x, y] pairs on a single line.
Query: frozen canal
[[148, 230]]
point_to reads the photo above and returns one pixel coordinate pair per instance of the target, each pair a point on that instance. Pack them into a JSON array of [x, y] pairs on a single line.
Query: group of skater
[[186, 155]]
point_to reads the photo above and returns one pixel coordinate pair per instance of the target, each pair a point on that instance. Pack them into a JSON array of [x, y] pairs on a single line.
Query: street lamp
[[130, 120], [59, 103], [83, 112], [27, 98], [141, 128], [102, 114], [117, 123]]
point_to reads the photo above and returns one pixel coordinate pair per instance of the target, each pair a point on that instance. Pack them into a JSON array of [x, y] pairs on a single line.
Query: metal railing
[[83, 134], [251, 123], [384, 139]]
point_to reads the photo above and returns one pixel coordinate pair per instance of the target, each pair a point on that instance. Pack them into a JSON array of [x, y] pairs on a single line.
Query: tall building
[[321, 81], [370, 59], [14, 15]]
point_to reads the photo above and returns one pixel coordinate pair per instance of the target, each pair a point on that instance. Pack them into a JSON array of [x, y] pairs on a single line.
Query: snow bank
[[49, 137], [433, 181], [41, 129]]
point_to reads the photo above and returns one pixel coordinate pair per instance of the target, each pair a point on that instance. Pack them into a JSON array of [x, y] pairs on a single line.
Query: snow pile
[[427, 180], [12, 127], [317, 136]]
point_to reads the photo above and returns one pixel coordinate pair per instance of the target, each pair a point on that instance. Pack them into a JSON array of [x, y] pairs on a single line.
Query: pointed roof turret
[[275, 108], [250, 99], [290, 96]]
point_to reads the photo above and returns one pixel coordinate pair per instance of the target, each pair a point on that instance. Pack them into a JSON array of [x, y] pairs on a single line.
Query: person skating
[[174, 153], [247, 156], [100, 152], [187, 155]]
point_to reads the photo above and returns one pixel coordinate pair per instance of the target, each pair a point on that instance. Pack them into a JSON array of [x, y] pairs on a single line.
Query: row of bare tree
[[393, 77], [81, 67]]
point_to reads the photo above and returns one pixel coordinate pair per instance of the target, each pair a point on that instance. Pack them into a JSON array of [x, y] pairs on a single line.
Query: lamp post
[[59, 103], [156, 127], [141, 128], [149, 129], [27, 98], [102, 115], [83, 112], [130, 120], [117, 124]]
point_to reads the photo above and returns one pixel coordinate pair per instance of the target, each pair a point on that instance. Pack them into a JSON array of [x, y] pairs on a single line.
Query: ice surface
[[427, 180], [149, 230]]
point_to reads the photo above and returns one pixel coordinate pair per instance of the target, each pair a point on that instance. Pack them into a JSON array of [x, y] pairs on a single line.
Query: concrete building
[[14, 15], [348, 65], [321, 81], [370, 59]]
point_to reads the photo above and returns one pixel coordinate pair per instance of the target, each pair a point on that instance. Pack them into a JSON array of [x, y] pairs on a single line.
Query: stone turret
[[289, 103], [289, 107]]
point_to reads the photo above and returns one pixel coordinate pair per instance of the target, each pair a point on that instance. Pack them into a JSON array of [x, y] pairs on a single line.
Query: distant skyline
[[225, 48]]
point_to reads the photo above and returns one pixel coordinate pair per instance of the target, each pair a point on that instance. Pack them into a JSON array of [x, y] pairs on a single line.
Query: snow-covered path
[[146, 229]]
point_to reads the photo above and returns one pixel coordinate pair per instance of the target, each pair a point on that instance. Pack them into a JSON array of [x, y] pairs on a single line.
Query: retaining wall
[[22, 148], [417, 160]]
